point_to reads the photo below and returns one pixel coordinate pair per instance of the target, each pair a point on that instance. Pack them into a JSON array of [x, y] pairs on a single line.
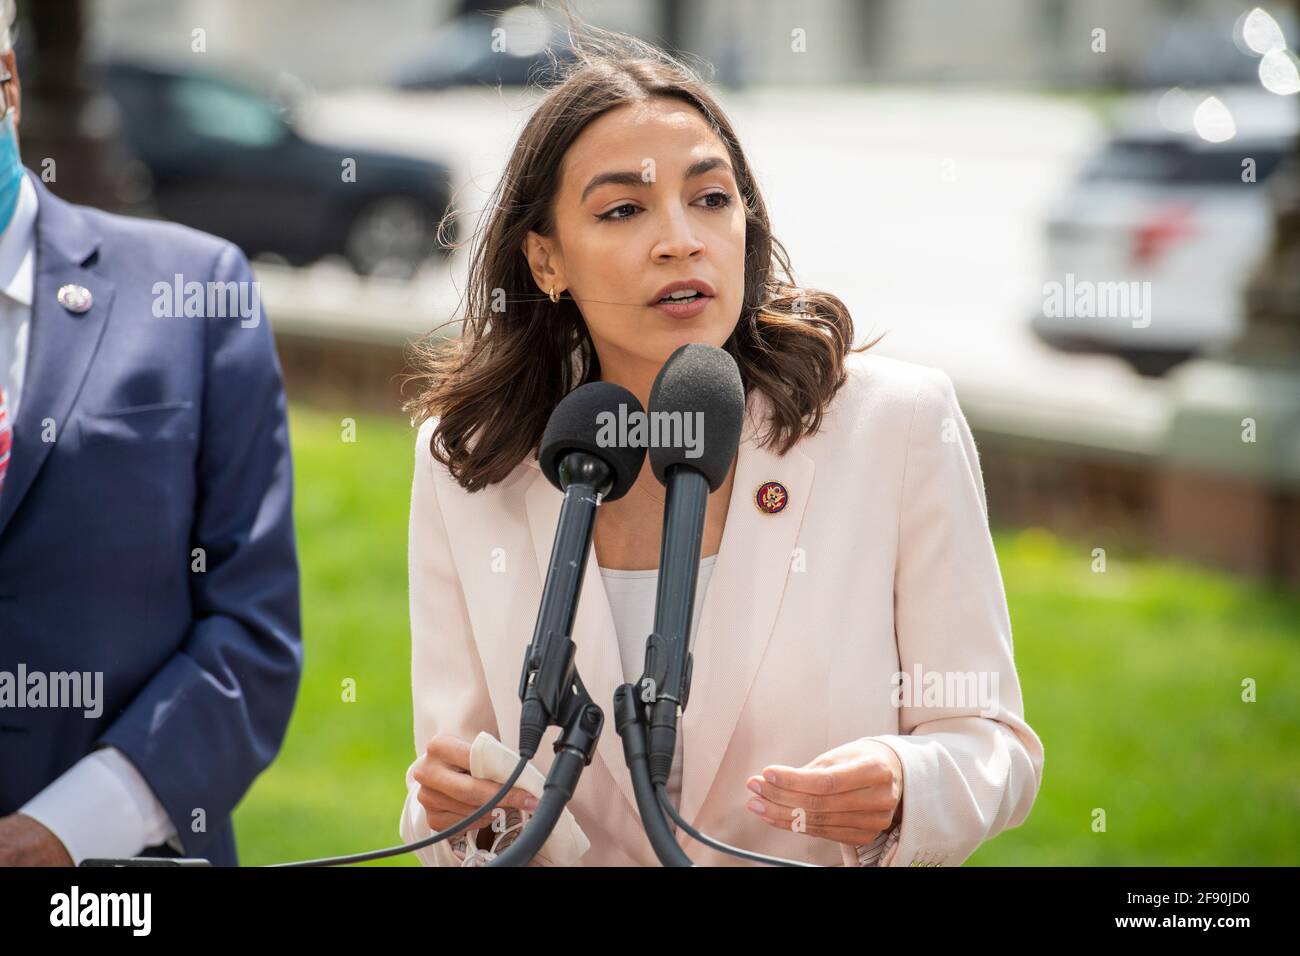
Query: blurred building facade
[[1024, 42]]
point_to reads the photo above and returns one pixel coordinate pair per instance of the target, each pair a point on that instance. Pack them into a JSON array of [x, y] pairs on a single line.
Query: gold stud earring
[[554, 297]]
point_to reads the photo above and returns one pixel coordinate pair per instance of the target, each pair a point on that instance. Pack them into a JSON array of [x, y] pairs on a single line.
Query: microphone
[[588, 471], [704, 381]]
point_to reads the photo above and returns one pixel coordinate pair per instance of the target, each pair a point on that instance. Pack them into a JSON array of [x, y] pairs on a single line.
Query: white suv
[[1150, 250]]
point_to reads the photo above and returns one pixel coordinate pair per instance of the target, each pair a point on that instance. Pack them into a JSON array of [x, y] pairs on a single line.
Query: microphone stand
[[550, 688], [665, 685], [582, 721], [628, 722]]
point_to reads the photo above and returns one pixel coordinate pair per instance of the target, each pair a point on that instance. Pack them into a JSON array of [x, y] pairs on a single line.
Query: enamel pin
[[771, 497]]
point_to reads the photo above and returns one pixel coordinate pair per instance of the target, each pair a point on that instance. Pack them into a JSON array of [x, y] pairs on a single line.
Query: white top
[[632, 600], [100, 806]]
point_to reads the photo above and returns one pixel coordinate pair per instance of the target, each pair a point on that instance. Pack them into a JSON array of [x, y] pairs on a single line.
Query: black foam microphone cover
[[701, 379], [576, 425]]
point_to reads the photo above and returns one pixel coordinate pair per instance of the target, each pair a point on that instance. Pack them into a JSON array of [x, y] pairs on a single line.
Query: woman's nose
[[677, 236]]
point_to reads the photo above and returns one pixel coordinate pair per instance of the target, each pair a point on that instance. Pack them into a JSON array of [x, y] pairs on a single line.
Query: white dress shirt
[[632, 601], [100, 806], [17, 267]]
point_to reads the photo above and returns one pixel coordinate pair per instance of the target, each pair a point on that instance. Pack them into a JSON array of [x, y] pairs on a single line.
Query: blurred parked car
[[463, 53], [225, 158], [1167, 207]]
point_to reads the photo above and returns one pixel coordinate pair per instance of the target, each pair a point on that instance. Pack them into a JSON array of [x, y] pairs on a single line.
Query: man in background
[[150, 650]]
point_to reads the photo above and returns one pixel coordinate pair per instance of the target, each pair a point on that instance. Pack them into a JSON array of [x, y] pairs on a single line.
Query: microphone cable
[[667, 804], [464, 824]]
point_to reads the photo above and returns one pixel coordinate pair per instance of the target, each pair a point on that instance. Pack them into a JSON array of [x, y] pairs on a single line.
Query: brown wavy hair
[[493, 388]]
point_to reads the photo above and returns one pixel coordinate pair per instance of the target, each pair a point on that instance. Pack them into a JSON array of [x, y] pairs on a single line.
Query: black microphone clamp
[[662, 693]]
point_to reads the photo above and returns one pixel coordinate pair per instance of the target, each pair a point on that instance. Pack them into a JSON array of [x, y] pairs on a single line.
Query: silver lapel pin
[[75, 298]]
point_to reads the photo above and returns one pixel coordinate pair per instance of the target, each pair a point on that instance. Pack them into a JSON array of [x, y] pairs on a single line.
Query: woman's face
[[647, 197]]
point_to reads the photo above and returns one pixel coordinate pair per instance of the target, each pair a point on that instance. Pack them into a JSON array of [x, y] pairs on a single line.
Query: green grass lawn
[[1132, 678]]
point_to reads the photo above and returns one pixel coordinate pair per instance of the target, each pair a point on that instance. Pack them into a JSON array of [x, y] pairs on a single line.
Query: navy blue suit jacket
[[169, 435]]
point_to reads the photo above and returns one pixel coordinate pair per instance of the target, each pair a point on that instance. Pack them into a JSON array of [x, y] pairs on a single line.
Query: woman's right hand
[[449, 793]]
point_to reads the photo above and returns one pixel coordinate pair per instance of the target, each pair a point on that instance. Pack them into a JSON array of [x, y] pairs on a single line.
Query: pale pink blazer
[[881, 562]]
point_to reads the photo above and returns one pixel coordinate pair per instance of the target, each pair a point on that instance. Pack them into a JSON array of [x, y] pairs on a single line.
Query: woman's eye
[[725, 200], [610, 217]]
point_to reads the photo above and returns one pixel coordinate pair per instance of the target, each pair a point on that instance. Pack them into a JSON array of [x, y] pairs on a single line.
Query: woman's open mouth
[[684, 307]]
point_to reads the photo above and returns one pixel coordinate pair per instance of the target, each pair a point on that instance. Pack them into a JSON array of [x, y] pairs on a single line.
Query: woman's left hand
[[849, 794]]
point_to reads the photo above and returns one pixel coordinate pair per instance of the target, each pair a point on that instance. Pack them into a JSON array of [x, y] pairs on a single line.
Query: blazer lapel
[[740, 606], [62, 343]]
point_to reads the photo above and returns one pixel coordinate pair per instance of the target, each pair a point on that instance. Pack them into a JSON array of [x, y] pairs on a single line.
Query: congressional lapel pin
[[75, 298], [771, 497]]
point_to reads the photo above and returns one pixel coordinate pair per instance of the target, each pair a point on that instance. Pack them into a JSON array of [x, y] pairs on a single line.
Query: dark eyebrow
[[634, 179]]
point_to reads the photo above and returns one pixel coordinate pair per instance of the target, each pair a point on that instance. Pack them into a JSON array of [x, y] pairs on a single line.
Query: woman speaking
[[855, 699]]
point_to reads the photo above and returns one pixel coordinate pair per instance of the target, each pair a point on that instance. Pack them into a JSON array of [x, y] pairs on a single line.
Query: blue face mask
[[11, 169]]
